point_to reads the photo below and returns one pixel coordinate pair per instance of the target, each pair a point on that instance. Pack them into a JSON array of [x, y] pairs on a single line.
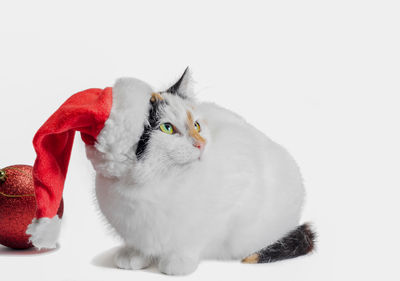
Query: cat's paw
[[127, 258], [177, 265]]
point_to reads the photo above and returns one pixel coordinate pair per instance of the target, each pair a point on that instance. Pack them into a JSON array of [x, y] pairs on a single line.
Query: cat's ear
[[184, 86]]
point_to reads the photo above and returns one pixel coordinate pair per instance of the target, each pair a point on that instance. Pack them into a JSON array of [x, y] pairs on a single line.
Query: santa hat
[[90, 112]]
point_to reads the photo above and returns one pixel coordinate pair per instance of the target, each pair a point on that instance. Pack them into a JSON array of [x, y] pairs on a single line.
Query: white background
[[319, 77]]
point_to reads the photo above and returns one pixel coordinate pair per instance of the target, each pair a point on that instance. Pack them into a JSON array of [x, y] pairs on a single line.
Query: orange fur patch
[[192, 129], [251, 259], [156, 97]]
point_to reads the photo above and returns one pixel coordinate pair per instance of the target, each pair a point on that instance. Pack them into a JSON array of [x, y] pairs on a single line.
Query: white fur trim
[[44, 232], [123, 128]]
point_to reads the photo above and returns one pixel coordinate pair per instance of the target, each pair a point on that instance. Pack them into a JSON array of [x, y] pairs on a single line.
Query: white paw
[[177, 265], [127, 258]]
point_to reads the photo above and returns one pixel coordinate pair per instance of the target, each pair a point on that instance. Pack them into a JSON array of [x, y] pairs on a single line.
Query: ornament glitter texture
[[17, 205]]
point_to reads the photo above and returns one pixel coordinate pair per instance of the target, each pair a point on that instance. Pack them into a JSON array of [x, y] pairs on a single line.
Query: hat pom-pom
[[44, 232]]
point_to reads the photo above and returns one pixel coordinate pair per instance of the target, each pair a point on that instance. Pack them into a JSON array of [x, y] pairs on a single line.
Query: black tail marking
[[298, 242]]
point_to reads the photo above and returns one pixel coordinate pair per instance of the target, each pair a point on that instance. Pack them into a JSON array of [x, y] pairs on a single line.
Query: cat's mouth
[[200, 156], [193, 160], [196, 159]]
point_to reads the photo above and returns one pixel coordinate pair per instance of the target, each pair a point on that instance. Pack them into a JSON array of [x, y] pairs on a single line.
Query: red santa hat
[[90, 112]]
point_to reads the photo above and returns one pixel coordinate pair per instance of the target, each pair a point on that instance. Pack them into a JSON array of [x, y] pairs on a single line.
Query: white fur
[[179, 205], [44, 232]]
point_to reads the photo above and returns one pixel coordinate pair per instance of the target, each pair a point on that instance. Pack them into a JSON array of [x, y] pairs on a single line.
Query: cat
[[201, 183]]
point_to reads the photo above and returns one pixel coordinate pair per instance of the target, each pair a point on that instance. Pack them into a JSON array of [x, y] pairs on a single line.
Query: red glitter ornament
[[17, 205]]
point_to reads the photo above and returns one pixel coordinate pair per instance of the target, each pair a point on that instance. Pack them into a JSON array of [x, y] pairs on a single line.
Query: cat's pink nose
[[199, 145]]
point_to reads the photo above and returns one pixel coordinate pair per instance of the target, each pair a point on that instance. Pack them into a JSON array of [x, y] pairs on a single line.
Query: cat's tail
[[296, 243]]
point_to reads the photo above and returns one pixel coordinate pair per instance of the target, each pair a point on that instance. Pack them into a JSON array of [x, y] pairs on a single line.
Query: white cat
[[201, 183]]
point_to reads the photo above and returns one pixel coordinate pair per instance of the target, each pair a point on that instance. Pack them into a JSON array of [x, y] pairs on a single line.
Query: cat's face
[[176, 134]]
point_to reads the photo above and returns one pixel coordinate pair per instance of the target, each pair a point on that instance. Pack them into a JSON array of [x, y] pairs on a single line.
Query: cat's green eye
[[197, 126], [167, 128]]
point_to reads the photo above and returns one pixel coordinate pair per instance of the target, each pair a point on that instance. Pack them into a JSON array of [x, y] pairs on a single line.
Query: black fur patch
[[153, 120], [297, 243]]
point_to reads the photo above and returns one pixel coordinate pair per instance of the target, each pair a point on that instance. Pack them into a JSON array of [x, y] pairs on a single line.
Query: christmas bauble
[[17, 205]]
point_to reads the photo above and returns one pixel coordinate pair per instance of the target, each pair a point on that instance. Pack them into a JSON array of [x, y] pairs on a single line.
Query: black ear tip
[[187, 71], [175, 88]]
